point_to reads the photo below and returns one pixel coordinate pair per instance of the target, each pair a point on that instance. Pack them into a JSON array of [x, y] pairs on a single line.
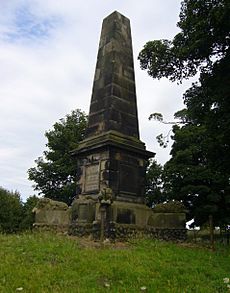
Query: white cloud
[[48, 54]]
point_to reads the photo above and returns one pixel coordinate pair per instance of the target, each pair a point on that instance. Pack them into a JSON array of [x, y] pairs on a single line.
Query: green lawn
[[43, 262]]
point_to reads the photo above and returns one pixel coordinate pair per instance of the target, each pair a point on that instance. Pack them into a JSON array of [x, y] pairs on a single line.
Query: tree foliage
[[10, 211], [15, 216], [55, 172], [154, 184], [203, 40], [199, 171], [190, 176], [28, 218]]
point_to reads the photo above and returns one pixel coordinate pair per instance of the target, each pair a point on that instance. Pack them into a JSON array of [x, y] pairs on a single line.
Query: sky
[[48, 52]]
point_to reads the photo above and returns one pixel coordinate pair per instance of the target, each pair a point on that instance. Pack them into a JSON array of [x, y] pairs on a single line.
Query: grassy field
[[43, 262]]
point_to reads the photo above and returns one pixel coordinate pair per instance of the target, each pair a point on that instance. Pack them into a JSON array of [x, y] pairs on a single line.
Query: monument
[[112, 156], [111, 153], [111, 161]]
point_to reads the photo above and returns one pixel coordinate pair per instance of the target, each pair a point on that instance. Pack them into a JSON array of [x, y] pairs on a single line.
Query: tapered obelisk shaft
[[113, 103]]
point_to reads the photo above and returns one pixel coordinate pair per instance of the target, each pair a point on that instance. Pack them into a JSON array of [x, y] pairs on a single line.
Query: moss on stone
[[170, 207], [49, 204]]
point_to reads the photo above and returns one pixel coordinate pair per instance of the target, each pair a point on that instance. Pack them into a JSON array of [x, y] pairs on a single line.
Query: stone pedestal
[[115, 161]]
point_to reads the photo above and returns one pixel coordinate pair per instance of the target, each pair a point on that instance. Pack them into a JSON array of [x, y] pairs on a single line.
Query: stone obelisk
[[113, 103], [112, 155]]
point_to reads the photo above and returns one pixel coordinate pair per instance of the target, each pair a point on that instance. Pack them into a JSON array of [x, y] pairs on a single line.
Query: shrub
[[15, 216], [11, 211]]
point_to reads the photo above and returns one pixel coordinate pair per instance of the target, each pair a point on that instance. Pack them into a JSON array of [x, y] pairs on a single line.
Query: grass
[[44, 262]]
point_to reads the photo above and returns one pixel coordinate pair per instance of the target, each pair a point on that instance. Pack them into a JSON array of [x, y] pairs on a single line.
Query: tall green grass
[[44, 262]]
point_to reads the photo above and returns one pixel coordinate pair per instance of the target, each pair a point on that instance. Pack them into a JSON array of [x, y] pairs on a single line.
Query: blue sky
[[27, 27], [48, 54]]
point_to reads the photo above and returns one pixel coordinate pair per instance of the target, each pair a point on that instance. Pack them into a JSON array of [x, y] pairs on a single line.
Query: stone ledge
[[113, 138]]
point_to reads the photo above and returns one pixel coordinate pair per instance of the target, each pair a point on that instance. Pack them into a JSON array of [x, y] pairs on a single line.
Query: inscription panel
[[91, 178]]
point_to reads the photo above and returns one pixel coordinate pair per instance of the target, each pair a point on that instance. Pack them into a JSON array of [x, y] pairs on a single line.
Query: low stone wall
[[51, 227], [81, 230], [122, 232]]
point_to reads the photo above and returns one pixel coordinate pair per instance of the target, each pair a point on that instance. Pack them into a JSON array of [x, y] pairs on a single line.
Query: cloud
[[21, 24], [30, 27]]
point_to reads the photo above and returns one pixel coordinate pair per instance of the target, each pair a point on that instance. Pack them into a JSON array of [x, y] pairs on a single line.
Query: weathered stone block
[[167, 220], [83, 210], [51, 213]]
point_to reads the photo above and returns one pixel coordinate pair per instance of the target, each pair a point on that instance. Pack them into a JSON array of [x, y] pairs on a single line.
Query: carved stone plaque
[[91, 178]]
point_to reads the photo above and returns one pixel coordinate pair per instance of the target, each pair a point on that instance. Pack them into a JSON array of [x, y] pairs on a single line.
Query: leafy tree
[[198, 172], [28, 215], [11, 211], [55, 172], [202, 41], [154, 184], [15, 216], [190, 177]]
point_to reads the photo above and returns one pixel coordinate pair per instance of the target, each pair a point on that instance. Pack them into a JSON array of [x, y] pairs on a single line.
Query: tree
[[154, 184], [11, 211], [190, 177], [198, 172], [16, 216], [202, 41], [55, 172], [28, 214]]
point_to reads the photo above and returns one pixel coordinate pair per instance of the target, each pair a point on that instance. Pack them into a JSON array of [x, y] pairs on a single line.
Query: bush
[[15, 216], [11, 211]]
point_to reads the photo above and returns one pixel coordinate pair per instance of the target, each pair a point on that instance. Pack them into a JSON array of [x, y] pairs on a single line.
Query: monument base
[[124, 220], [118, 221]]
